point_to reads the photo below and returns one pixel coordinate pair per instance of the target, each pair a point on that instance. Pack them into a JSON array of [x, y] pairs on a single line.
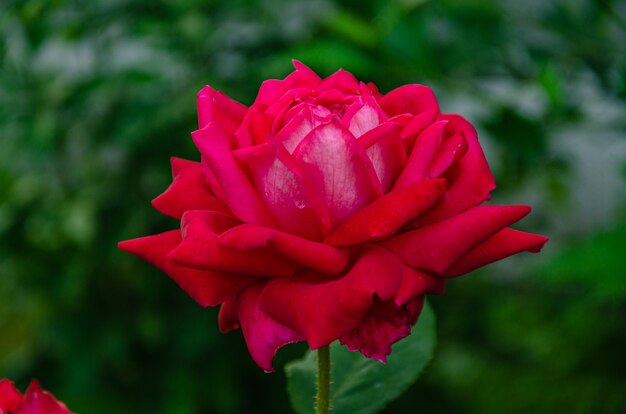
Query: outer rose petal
[[317, 256], [237, 191], [188, 191], [306, 75], [417, 282], [273, 89], [201, 249], [342, 81], [270, 91], [322, 310], [263, 334], [214, 106], [339, 169], [228, 317], [438, 246], [369, 89], [504, 244], [413, 99], [255, 127], [205, 287], [383, 325], [469, 179], [387, 214], [38, 401], [10, 397]]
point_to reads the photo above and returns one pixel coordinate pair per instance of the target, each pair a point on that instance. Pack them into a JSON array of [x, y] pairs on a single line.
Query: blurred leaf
[[352, 28], [327, 56], [362, 385], [523, 141], [597, 263], [551, 81]]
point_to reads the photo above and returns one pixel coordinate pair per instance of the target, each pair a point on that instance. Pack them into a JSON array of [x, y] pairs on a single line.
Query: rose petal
[[413, 99], [342, 81], [201, 249], [271, 90], [339, 169], [384, 324], [335, 100], [263, 335], [306, 76], [228, 317], [288, 100], [421, 156], [188, 191], [363, 115], [309, 117], [437, 246], [10, 397], [291, 111], [417, 282], [237, 191], [503, 244], [317, 256], [402, 119], [294, 205], [38, 401], [214, 106], [377, 133], [387, 214], [255, 127], [323, 310], [205, 287], [417, 124], [302, 77], [369, 89], [210, 180], [469, 179], [385, 150], [452, 150]]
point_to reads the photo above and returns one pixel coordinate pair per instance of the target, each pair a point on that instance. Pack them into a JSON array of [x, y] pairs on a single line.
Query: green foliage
[[360, 385], [96, 96], [590, 265]]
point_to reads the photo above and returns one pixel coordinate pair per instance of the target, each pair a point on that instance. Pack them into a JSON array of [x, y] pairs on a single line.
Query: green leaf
[[597, 264], [362, 385]]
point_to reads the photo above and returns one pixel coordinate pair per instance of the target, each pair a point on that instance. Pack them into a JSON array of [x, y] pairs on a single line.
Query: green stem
[[323, 380]]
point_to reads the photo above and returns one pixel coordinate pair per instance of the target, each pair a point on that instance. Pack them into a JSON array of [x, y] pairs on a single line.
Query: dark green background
[[96, 95]]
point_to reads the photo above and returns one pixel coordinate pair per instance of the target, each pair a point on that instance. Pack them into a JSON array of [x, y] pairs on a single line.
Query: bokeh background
[[95, 96]]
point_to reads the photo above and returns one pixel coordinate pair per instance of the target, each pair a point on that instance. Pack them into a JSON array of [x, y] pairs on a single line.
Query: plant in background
[[34, 401], [327, 211]]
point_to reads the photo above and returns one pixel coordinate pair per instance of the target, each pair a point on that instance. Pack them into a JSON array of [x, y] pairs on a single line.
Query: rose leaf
[[361, 385]]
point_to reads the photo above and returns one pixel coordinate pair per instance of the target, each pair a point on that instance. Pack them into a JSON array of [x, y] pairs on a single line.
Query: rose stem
[[323, 380]]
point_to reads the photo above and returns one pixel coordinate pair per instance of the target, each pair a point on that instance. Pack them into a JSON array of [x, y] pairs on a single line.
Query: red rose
[[326, 211], [34, 401]]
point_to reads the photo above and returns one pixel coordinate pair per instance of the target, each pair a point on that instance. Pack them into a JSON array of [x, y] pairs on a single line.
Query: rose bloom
[[327, 211], [34, 401]]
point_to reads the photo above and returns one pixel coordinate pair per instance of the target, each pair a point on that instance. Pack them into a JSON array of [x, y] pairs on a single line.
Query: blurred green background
[[96, 96]]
